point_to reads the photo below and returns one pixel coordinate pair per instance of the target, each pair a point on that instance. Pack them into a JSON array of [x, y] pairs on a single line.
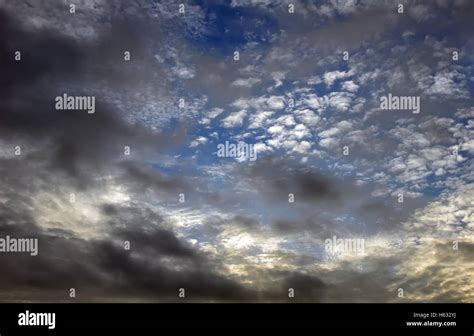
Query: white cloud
[[468, 146], [340, 100], [276, 103], [448, 84], [314, 80], [234, 119], [302, 147], [249, 82], [331, 77], [286, 120], [259, 119], [328, 142], [184, 72], [350, 86], [211, 115], [315, 102], [300, 131], [276, 129], [278, 77], [308, 117], [198, 141], [329, 132]]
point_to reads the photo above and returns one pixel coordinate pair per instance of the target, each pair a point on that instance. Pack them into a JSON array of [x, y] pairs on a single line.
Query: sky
[[134, 203]]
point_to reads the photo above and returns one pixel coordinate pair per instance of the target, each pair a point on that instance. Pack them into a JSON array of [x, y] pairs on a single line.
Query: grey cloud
[[277, 178], [105, 266]]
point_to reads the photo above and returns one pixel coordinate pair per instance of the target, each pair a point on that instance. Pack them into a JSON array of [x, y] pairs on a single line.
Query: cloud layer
[[132, 204]]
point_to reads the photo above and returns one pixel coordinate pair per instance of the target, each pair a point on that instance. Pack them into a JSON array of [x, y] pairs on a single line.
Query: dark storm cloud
[[78, 141], [161, 242], [101, 265], [281, 284], [43, 55], [144, 277], [95, 265], [276, 178], [142, 178], [373, 283], [245, 221], [308, 288], [145, 230], [14, 219]]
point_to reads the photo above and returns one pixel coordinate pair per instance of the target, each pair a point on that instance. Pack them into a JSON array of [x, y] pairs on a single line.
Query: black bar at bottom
[[436, 319]]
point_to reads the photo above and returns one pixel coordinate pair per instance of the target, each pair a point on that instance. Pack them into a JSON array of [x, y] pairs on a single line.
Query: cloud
[[448, 84], [234, 119], [236, 236], [350, 86], [279, 178], [249, 82], [331, 77]]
